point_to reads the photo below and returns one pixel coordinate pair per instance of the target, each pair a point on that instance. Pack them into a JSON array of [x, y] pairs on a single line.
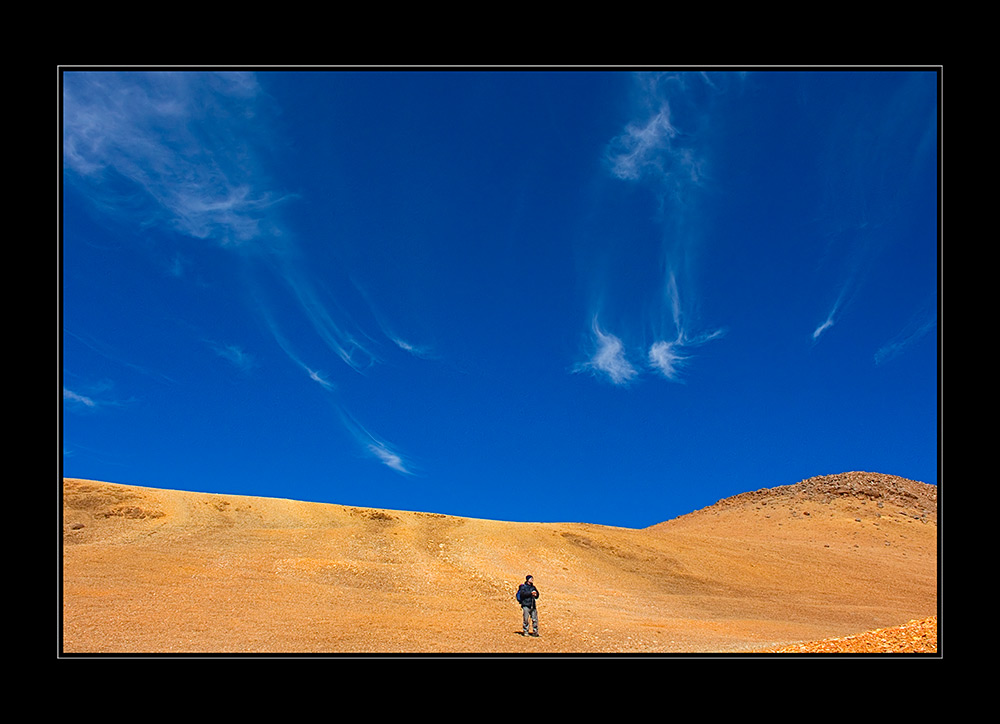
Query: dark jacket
[[524, 594]]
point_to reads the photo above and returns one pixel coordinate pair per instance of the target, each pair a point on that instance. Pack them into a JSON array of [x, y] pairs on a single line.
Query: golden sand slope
[[163, 571]]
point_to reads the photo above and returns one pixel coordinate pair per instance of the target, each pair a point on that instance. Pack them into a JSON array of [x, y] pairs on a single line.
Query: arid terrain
[[836, 563]]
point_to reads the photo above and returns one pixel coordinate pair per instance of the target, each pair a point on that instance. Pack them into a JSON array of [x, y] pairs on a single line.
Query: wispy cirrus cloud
[[240, 358], [640, 150], [826, 323], [110, 353], [388, 457], [669, 357], [608, 358], [90, 397], [823, 327], [148, 142], [182, 154], [332, 325], [376, 446], [421, 351], [663, 152], [911, 334], [666, 358], [78, 399], [286, 347], [875, 146], [850, 285], [648, 150], [318, 377], [664, 145]]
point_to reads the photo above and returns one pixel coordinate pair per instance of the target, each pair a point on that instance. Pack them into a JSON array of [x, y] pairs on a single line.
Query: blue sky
[[598, 296]]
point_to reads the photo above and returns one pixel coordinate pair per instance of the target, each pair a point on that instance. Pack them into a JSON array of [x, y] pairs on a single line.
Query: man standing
[[526, 595]]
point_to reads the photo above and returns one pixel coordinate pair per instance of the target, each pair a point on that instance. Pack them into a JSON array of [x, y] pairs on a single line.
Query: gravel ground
[[914, 637]]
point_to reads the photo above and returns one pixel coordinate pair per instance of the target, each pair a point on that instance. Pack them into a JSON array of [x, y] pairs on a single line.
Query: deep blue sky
[[607, 297]]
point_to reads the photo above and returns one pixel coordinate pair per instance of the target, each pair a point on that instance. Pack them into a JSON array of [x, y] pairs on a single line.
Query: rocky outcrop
[[919, 500]]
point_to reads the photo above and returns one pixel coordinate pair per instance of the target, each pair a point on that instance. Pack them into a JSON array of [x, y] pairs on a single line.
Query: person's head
[[528, 579]]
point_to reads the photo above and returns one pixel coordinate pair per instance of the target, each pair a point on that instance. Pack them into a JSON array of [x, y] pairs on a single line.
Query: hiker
[[526, 595]]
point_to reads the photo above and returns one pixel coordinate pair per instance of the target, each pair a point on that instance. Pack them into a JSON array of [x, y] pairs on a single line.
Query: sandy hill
[[164, 571]]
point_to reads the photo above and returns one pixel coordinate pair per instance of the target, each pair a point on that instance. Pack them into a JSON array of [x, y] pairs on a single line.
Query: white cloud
[[639, 149], [867, 181], [286, 347], [417, 350], [389, 458], [845, 294], [344, 343], [673, 295], [665, 358], [609, 357], [663, 151], [657, 148], [95, 396], [181, 152], [153, 130], [823, 327], [422, 352], [241, 359], [898, 344], [74, 397], [112, 354], [320, 379], [375, 446]]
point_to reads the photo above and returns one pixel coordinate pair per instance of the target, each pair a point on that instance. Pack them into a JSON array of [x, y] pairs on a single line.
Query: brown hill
[[164, 571]]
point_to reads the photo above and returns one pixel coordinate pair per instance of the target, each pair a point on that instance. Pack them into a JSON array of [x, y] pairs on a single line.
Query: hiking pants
[[532, 612]]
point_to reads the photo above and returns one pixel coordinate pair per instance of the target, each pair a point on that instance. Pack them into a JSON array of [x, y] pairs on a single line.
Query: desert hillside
[[164, 571]]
